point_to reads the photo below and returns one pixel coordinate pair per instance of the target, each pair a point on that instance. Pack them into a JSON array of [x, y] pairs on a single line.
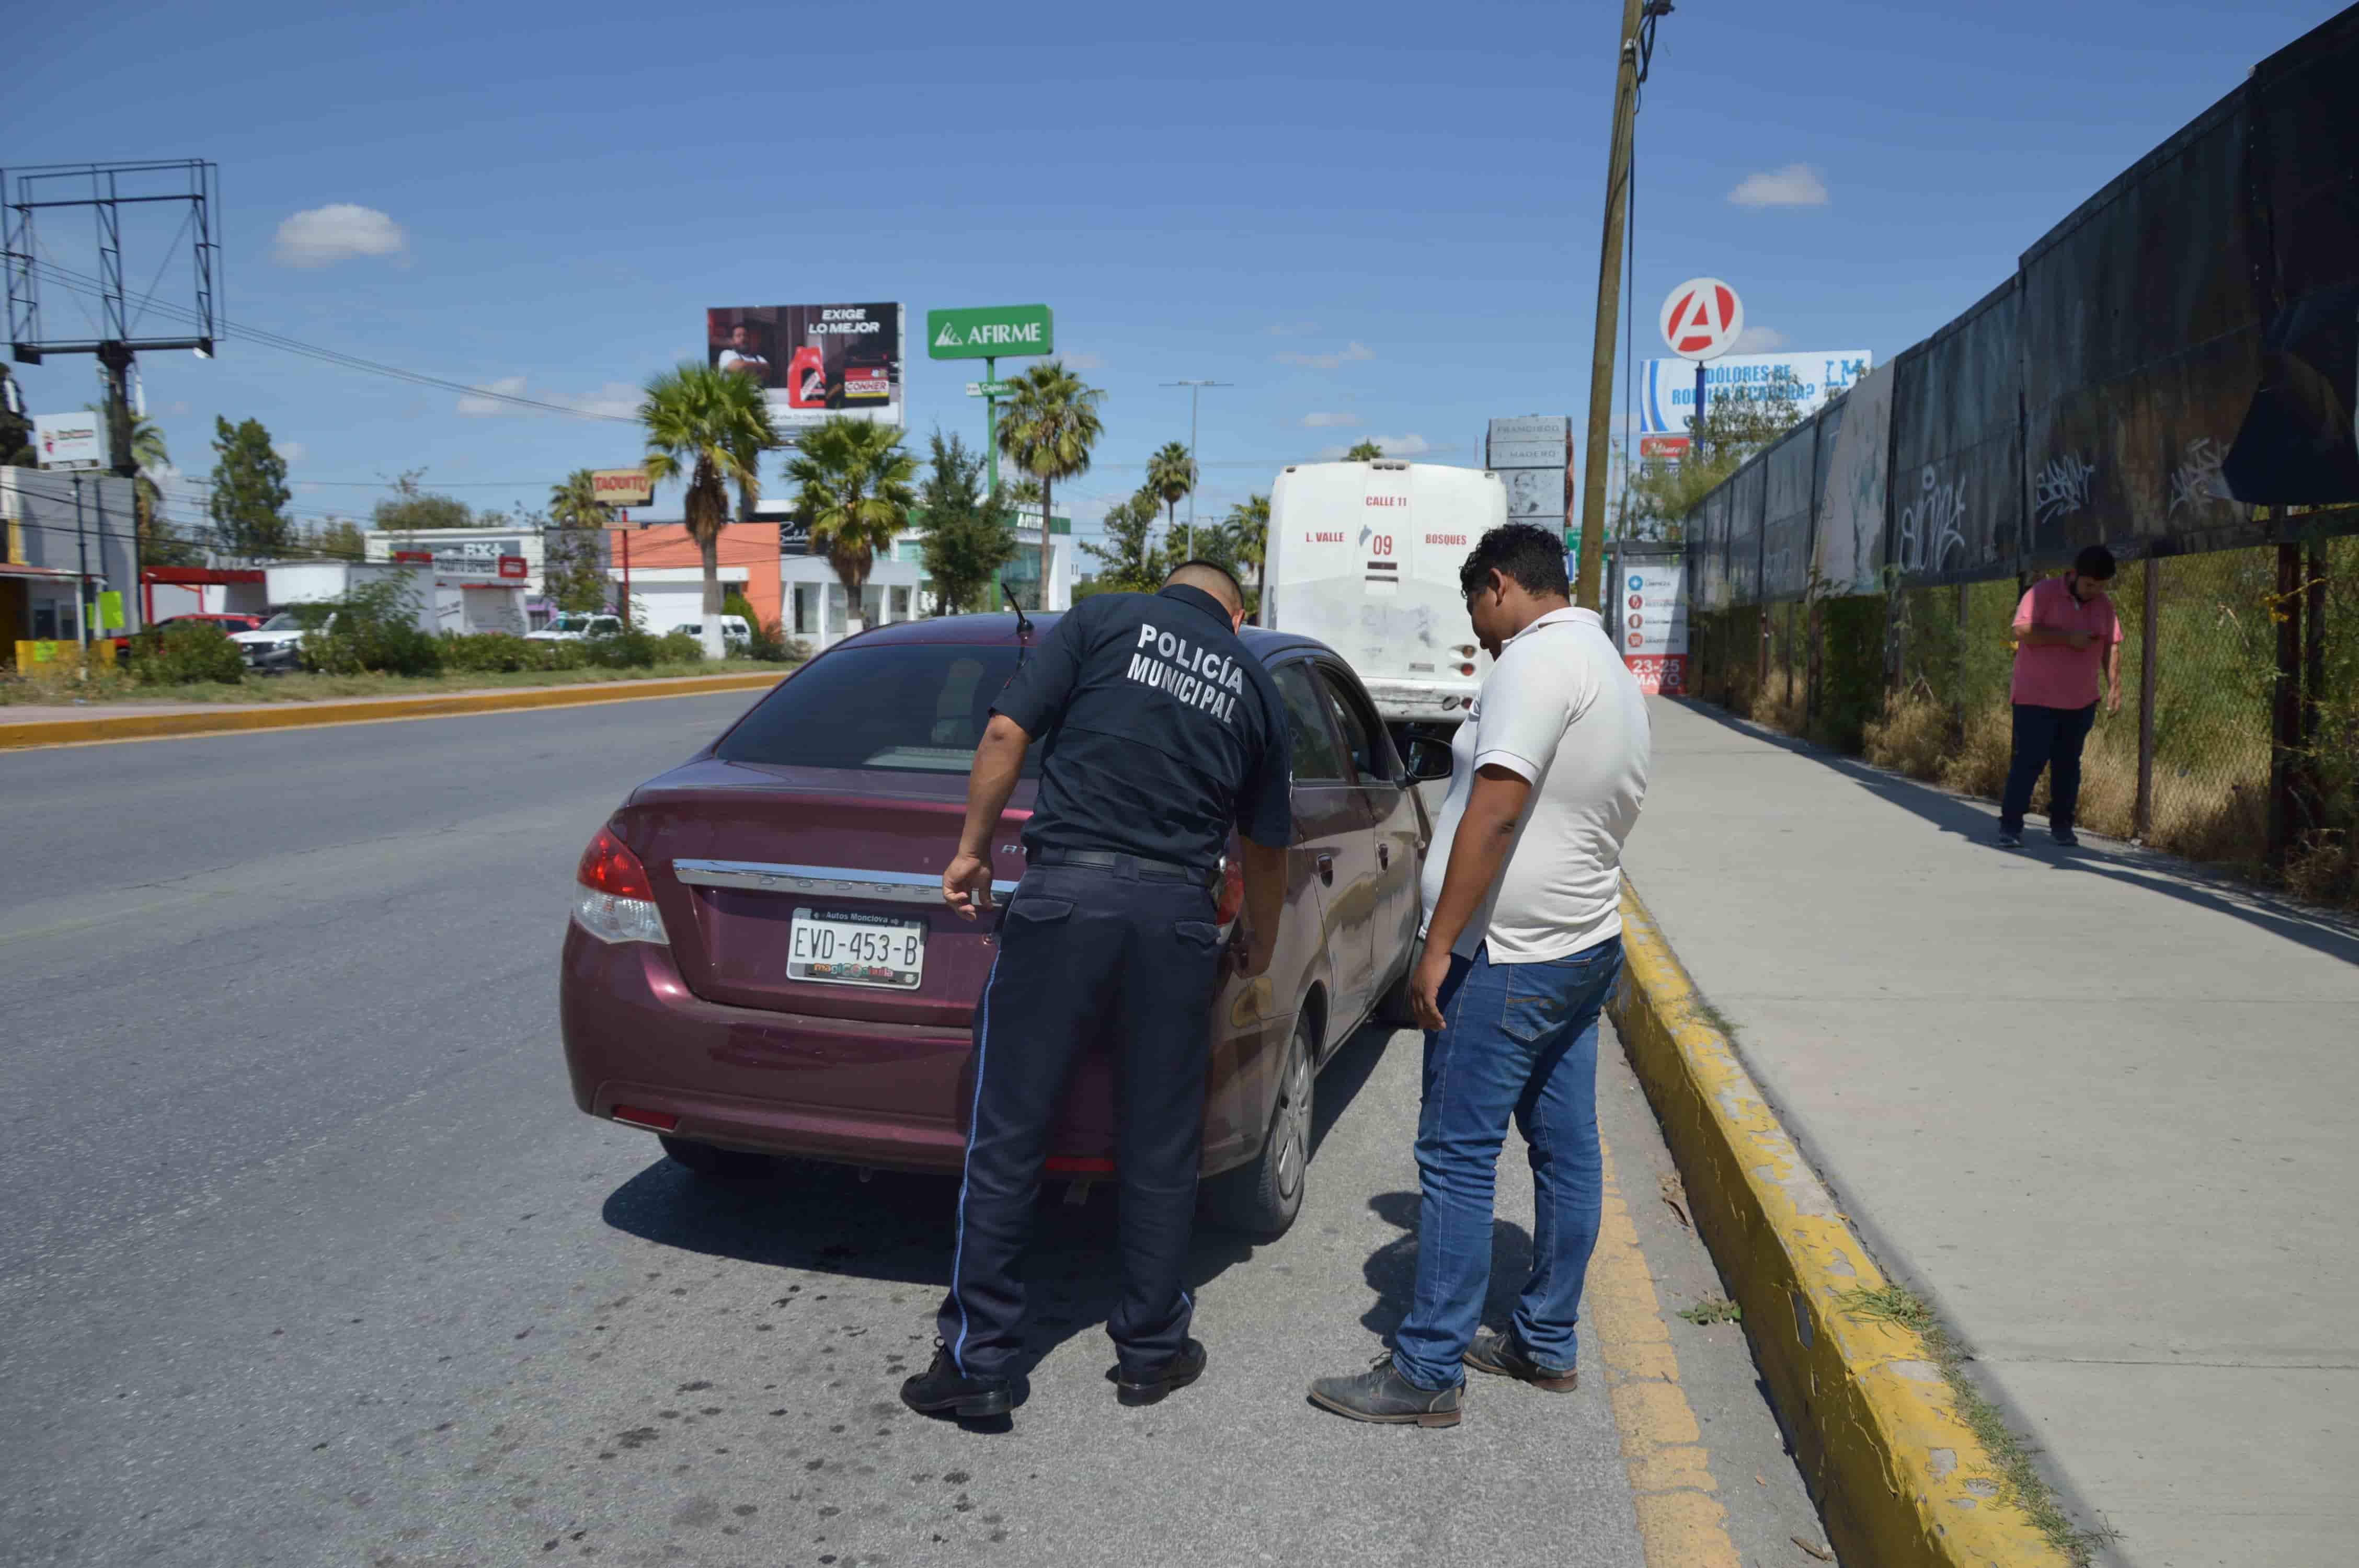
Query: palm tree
[[713, 426], [857, 488], [1246, 528], [574, 503], [1048, 428], [1363, 452], [148, 452], [1171, 473]]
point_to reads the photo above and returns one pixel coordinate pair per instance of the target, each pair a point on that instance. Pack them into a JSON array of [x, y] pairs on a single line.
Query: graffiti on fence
[[2062, 487], [2197, 481], [1930, 530]]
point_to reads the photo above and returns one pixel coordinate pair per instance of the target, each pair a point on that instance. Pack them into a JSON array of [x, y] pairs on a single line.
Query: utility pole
[[1194, 388], [1634, 48]]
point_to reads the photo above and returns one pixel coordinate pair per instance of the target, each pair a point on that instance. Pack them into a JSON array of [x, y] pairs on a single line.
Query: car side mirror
[[1429, 760]]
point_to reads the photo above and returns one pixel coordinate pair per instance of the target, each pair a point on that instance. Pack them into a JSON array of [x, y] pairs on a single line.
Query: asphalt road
[[308, 1259]]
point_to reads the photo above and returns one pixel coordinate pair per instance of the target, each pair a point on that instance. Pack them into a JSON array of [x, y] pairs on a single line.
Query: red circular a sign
[[1701, 318]]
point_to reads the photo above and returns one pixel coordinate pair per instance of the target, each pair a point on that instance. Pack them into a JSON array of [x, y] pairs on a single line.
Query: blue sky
[[1372, 219]]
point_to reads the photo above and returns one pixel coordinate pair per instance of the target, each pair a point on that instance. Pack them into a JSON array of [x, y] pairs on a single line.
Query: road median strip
[[302, 715], [1901, 1478]]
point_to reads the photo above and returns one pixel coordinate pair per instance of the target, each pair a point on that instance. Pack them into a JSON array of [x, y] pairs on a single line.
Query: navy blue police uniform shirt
[[1157, 731]]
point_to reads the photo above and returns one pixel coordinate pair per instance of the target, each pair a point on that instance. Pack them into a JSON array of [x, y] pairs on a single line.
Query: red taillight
[[660, 1120], [1466, 669], [1233, 890], [609, 867]]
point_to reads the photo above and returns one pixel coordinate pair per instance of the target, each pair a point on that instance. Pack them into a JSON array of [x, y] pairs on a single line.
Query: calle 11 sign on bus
[[990, 331]]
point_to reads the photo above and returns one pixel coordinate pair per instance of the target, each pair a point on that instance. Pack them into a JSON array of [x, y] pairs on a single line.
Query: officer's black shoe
[[1382, 1394], [1148, 1387], [1503, 1355], [942, 1387]]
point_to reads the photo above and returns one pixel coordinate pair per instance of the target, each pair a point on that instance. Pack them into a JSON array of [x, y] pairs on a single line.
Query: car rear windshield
[[911, 709]]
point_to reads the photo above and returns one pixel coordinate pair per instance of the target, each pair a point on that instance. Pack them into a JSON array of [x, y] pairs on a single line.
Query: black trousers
[[1131, 957], [2049, 738]]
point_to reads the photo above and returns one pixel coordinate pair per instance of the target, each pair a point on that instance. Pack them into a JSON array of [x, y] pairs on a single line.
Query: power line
[[81, 283]]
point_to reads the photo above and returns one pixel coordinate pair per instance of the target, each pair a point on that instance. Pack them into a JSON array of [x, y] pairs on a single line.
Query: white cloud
[[1352, 351], [475, 407], [177, 409], [1330, 421], [1391, 445], [615, 399], [1293, 329], [1795, 185], [1757, 341], [338, 232], [1084, 362], [293, 452]]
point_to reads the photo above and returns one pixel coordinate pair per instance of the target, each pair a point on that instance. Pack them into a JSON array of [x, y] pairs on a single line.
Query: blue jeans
[[2050, 738], [1516, 1040]]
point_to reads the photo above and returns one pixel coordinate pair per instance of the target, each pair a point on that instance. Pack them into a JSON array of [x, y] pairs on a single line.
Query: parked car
[[230, 621], [277, 645], [704, 993], [571, 626], [736, 636]]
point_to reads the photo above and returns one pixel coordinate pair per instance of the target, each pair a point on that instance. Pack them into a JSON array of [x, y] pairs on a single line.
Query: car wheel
[[1262, 1199], [715, 1164]]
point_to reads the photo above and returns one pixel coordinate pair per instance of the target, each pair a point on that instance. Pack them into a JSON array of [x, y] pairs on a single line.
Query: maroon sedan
[[760, 961]]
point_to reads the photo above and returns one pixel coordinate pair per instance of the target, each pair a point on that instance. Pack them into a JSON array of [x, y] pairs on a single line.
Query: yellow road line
[[1680, 1523], [1900, 1480], [118, 727]]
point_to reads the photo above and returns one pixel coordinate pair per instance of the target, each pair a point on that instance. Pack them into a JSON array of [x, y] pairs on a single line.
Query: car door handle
[[1327, 870], [1384, 857]]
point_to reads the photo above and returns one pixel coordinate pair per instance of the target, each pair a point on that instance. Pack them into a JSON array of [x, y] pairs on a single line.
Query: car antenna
[[1023, 625]]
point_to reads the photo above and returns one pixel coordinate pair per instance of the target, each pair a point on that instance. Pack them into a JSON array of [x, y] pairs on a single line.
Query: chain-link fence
[[1919, 680]]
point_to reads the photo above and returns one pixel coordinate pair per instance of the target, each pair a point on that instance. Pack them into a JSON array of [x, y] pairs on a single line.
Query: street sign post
[[989, 333], [1701, 318]]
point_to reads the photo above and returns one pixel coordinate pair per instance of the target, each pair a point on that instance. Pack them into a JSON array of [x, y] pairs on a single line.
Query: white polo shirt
[[1560, 710]]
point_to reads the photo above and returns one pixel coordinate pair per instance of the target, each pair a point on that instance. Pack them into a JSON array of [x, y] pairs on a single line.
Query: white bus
[[1365, 557]]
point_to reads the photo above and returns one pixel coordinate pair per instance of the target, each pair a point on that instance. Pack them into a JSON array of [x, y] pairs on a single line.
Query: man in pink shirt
[[2068, 639]]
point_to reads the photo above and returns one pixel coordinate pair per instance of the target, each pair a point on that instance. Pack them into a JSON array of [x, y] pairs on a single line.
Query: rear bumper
[[1432, 701], [894, 1096]]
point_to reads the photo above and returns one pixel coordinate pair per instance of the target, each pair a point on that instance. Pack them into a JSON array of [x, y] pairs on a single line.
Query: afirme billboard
[[813, 362], [990, 331], [1805, 377]]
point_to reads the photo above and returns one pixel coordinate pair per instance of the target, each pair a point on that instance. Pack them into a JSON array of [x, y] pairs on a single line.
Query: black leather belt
[[1108, 860]]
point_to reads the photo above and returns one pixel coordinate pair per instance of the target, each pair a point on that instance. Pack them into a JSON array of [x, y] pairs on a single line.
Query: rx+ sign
[[1701, 318]]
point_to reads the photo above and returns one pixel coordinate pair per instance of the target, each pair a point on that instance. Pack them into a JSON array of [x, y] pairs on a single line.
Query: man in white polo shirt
[[1522, 941]]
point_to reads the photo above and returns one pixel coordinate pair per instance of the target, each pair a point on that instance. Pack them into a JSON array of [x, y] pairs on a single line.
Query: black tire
[[713, 1165], [1262, 1199]]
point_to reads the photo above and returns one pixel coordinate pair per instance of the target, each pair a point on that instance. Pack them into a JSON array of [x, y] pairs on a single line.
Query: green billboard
[[990, 331]]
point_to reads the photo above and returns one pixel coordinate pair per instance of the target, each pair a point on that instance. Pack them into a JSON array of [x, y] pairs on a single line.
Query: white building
[[815, 608], [443, 602], [469, 554]]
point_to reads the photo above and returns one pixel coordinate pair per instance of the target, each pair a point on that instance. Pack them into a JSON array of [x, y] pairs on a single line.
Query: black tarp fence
[[2181, 350]]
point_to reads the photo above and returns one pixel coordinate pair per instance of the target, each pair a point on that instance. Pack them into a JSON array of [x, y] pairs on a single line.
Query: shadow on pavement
[[897, 1228], [2150, 870], [1391, 1269]]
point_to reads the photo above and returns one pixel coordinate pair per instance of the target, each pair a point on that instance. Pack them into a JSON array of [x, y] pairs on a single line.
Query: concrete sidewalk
[[2094, 1105]]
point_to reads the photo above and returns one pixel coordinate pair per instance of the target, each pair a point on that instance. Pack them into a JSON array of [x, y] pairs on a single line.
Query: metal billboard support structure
[[100, 188]]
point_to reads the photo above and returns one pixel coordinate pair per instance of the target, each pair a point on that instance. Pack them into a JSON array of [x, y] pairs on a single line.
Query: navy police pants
[[1124, 956]]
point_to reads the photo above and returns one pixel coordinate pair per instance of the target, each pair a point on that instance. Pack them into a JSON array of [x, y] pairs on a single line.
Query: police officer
[[1158, 732]]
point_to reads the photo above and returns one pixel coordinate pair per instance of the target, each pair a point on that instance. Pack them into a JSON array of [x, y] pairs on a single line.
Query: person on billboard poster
[[745, 353]]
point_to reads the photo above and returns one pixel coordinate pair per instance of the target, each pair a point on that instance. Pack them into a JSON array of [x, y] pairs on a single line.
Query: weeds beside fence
[[2218, 771]]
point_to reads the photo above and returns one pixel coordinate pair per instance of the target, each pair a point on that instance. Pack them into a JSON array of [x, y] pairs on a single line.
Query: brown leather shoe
[[1503, 1356]]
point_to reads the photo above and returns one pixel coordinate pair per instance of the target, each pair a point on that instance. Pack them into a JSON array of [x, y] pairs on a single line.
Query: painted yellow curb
[[302, 715], [1899, 1480]]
